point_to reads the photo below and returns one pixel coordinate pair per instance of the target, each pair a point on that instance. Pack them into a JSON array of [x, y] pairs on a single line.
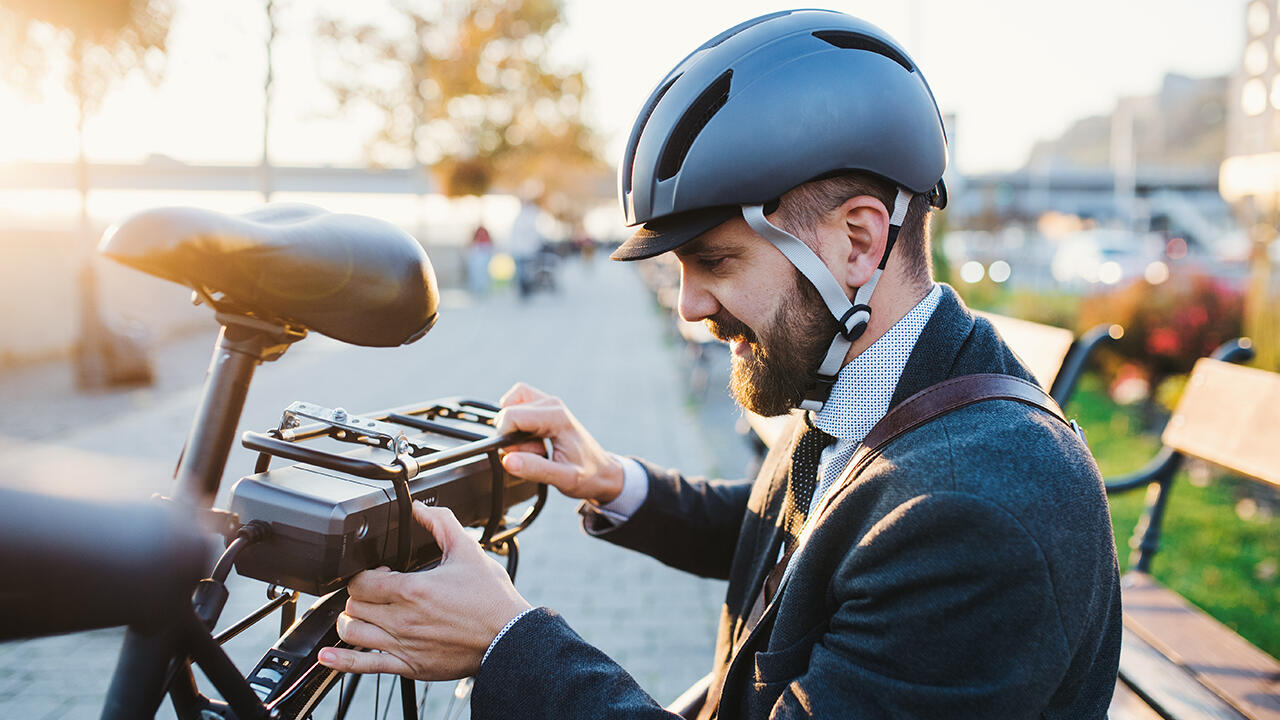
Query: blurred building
[[1253, 111], [1152, 163]]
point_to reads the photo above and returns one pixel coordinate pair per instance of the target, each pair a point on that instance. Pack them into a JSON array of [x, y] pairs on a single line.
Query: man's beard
[[774, 377]]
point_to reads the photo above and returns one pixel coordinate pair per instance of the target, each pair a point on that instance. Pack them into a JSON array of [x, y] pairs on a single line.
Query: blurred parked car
[[1105, 255]]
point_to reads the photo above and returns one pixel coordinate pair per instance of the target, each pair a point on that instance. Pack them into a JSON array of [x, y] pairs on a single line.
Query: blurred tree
[[267, 85], [466, 88], [102, 41]]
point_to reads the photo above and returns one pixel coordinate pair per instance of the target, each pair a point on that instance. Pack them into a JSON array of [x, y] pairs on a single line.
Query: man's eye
[[711, 263]]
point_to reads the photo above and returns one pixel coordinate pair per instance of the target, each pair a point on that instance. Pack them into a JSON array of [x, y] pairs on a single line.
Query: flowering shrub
[[1130, 385], [1167, 327]]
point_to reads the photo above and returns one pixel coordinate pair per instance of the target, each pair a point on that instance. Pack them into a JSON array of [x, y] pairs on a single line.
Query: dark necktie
[[802, 479]]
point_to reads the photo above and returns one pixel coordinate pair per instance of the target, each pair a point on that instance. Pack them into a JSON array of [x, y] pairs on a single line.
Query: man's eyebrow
[[700, 247], [697, 246]]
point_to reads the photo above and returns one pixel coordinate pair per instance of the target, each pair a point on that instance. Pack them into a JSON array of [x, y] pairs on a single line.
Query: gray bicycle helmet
[[766, 106]]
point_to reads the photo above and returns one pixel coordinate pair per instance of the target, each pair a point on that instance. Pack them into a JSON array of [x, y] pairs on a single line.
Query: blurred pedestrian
[[523, 242], [584, 244], [479, 253]]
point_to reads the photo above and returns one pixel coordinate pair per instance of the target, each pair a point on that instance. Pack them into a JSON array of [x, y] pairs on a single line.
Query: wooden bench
[[1178, 663], [1054, 355]]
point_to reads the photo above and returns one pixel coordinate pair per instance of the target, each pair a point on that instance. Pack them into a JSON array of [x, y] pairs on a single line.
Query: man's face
[[753, 298]]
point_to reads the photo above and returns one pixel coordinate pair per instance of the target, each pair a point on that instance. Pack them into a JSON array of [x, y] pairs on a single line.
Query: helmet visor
[[668, 233]]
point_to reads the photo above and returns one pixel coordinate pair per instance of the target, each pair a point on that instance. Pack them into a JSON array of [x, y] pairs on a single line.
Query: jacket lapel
[[768, 533]]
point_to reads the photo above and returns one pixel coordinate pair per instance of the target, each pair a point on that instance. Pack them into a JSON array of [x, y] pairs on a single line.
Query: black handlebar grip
[[71, 564]]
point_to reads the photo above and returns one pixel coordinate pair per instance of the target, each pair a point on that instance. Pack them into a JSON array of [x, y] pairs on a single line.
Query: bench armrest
[[691, 700], [1073, 365]]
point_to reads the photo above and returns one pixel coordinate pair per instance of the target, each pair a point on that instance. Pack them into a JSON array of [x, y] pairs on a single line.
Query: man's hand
[[579, 467], [430, 625]]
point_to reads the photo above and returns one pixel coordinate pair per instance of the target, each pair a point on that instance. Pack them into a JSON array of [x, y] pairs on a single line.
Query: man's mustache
[[728, 328]]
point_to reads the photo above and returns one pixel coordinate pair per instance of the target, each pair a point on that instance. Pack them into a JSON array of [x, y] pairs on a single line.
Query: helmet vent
[[695, 118], [639, 129], [855, 41]]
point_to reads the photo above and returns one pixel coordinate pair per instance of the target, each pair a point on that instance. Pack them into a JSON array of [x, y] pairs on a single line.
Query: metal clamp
[[338, 418]]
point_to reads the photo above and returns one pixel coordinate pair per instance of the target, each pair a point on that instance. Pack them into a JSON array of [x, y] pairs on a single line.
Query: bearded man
[[932, 541]]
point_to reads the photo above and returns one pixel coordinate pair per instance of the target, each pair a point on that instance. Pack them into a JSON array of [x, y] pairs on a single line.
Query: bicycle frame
[[146, 660]]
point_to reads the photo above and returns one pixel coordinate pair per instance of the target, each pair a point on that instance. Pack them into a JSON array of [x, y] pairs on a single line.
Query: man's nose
[[695, 302]]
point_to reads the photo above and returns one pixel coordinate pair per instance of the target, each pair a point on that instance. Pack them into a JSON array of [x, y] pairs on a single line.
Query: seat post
[[243, 343]]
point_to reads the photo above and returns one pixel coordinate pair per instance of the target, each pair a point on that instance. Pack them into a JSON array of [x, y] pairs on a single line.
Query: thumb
[[531, 466], [443, 526]]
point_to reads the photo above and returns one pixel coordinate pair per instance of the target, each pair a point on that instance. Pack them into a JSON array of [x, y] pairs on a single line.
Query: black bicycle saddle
[[356, 279]]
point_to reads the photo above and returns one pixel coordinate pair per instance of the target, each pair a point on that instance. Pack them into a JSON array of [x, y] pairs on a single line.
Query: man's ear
[[859, 229]]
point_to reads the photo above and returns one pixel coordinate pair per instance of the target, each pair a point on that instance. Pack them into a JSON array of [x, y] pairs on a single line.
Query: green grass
[[1211, 554]]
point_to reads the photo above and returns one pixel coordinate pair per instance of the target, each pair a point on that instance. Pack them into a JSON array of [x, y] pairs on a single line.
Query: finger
[[444, 527], [364, 634], [387, 616], [521, 393], [533, 446], [541, 420], [535, 467], [355, 661], [381, 586]]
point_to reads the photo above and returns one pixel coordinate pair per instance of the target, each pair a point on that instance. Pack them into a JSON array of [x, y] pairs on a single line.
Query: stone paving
[[599, 342]]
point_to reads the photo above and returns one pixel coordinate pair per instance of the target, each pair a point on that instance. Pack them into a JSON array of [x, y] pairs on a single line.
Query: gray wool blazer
[[968, 572]]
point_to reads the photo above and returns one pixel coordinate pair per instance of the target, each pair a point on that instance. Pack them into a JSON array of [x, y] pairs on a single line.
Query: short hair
[[805, 205]]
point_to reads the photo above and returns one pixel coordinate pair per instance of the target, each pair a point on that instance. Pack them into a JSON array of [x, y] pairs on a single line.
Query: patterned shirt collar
[[865, 385]]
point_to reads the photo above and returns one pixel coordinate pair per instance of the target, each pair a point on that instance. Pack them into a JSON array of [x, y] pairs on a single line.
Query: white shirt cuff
[[502, 632], [635, 488]]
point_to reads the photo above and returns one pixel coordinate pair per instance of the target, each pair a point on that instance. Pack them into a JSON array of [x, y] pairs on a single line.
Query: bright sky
[[1013, 71]]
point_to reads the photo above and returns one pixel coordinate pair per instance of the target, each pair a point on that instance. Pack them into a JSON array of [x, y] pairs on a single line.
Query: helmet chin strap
[[852, 316]]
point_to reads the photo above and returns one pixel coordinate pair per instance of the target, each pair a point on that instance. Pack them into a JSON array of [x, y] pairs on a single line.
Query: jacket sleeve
[[541, 668], [945, 608], [689, 524]]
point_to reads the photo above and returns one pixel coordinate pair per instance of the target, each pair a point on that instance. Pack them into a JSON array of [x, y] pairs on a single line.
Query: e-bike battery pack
[[328, 525]]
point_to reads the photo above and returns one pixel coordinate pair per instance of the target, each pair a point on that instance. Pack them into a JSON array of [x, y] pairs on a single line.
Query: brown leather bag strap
[[953, 394], [938, 400]]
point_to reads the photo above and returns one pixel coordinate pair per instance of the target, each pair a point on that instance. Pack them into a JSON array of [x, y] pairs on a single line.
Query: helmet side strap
[[853, 316]]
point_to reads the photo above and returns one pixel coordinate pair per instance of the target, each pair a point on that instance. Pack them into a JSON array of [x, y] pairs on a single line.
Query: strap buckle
[[852, 333], [820, 386]]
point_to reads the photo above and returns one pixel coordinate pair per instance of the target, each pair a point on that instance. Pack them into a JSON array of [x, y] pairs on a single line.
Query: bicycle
[[270, 277]]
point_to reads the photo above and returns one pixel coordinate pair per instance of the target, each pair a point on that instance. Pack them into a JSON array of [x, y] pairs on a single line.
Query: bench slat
[[1126, 705], [1166, 686], [1041, 348], [1230, 415], [1222, 661]]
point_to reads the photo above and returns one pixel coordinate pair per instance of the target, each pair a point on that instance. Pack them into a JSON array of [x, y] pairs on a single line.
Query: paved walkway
[[600, 343]]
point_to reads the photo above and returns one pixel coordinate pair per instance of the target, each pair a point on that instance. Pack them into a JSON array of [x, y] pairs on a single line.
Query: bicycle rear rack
[[412, 441], [459, 419]]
